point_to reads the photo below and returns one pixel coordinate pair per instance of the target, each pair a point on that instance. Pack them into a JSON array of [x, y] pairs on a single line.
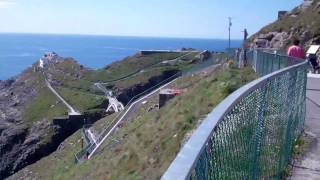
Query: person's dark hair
[[296, 42]]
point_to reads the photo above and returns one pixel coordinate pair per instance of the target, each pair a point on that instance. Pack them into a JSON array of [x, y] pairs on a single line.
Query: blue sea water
[[19, 51]]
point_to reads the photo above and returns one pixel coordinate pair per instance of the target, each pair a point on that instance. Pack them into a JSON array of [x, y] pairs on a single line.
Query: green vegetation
[[82, 101], [150, 140], [301, 145], [128, 66], [298, 23], [310, 18], [44, 106], [144, 76], [75, 83]]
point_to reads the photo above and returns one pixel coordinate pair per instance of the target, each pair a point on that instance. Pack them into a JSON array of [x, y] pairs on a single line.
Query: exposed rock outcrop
[[22, 141], [17, 138], [303, 23]]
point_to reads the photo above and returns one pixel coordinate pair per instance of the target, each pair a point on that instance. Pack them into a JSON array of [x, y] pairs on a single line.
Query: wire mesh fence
[[265, 61], [250, 135]]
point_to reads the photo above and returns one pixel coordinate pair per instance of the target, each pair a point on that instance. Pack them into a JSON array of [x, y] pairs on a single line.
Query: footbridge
[[250, 134], [94, 143], [116, 105]]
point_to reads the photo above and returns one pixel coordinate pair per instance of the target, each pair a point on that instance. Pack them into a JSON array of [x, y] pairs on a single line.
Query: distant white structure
[[41, 63], [50, 57]]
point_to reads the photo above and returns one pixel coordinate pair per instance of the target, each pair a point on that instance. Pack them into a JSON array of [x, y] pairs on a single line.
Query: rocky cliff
[[303, 22], [27, 109], [29, 127], [15, 132]]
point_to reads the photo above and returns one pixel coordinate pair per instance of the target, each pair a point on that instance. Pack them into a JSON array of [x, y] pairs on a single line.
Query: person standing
[[296, 51]]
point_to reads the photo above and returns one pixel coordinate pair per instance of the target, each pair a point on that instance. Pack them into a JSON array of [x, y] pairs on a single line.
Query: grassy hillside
[[302, 23], [308, 19], [148, 142], [75, 83], [45, 105], [128, 66]]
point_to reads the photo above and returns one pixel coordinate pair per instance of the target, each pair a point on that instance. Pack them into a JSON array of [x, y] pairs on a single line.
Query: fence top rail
[[186, 159], [274, 52]]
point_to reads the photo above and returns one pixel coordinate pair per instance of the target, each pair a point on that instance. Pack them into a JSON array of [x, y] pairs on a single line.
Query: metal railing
[[266, 61], [250, 134], [146, 67], [86, 151], [91, 146]]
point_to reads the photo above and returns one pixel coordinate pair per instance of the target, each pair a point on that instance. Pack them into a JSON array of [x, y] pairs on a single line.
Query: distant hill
[[302, 22]]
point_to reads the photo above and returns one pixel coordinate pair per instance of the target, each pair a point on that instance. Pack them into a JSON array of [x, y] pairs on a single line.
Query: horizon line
[[108, 35]]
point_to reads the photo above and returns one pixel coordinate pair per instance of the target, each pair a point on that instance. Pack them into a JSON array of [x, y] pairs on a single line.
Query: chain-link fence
[[250, 135], [265, 61]]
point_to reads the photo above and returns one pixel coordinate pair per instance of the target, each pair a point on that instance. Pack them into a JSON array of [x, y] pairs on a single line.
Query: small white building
[[49, 57], [41, 63]]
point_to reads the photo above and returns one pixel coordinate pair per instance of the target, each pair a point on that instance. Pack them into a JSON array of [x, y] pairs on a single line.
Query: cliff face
[[15, 133], [303, 23], [27, 108], [15, 92], [29, 129]]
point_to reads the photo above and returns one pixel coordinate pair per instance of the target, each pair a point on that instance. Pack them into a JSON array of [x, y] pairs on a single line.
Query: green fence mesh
[[255, 136], [266, 61]]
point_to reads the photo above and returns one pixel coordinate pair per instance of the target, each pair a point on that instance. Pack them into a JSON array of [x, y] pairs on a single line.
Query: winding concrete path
[[72, 111], [308, 167]]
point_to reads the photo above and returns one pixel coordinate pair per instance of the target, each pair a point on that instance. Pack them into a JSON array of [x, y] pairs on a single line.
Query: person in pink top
[[296, 51]]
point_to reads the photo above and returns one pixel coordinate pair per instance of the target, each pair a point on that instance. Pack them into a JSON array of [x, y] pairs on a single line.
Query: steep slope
[[23, 135], [303, 22], [28, 107], [145, 145]]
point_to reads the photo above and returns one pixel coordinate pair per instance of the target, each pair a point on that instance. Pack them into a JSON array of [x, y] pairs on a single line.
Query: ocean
[[19, 51]]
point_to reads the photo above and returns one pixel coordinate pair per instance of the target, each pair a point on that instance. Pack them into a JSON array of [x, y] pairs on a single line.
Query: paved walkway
[[72, 111], [308, 167]]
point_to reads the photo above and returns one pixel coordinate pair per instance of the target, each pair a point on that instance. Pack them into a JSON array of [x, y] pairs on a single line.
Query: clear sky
[[168, 18]]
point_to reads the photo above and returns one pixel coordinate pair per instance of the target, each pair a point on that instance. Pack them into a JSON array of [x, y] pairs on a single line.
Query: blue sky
[[165, 18]]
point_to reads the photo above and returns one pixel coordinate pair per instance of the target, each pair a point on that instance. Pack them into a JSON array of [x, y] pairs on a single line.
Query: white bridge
[[116, 105]]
